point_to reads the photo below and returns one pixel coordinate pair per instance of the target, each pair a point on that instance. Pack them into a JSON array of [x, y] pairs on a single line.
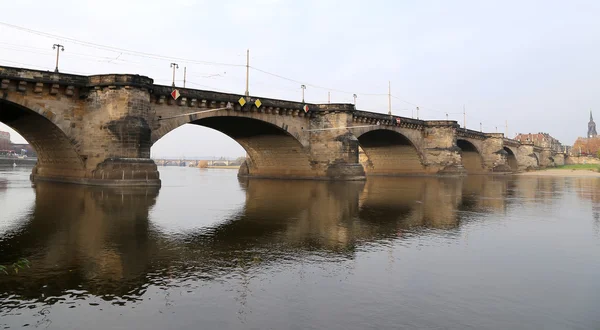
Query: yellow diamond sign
[[257, 103], [242, 101]]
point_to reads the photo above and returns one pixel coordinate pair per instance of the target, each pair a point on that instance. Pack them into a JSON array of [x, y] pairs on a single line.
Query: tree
[[588, 146]]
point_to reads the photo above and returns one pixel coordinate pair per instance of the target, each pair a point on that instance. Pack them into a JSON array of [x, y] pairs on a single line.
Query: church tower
[[591, 127]]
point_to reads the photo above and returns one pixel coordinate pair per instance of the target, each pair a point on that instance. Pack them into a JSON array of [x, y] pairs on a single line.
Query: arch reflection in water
[[80, 235], [99, 241]]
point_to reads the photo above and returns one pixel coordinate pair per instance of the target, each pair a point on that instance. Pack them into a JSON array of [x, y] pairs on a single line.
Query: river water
[[210, 251]]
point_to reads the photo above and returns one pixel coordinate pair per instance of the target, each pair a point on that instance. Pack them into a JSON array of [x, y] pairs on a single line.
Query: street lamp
[[58, 48], [354, 95], [174, 66], [303, 87]]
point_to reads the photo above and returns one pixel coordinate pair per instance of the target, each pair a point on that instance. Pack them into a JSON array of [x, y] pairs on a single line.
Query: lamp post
[[174, 66], [58, 48], [303, 87], [354, 95]]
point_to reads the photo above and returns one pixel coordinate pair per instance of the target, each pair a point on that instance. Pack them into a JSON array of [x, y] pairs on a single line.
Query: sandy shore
[[564, 173]]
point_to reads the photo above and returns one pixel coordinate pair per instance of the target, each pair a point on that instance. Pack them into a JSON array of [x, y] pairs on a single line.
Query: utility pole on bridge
[[464, 117], [58, 48], [389, 98], [248, 71]]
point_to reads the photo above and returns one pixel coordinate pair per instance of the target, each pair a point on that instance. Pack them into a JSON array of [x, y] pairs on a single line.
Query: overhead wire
[[115, 49]]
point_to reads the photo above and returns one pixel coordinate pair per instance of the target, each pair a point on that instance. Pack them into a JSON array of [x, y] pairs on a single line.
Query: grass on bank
[[583, 167]]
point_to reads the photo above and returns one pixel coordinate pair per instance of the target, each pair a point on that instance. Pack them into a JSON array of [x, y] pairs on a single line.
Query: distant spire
[[591, 118]]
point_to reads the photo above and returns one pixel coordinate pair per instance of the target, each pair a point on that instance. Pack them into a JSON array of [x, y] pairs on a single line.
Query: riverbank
[[580, 170], [232, 167], [9, 162]]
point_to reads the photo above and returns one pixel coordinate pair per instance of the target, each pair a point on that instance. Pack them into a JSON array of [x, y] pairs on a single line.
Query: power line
[[313, 85], [171, 58], [115, 49]]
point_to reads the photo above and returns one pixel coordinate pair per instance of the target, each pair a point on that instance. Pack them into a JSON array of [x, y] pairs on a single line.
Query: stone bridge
[[99, 130]]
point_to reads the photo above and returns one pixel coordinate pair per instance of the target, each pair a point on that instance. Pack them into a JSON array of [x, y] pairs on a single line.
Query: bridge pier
[[333, 148], [546, 159], [559, 159], [494, 155], [526, 157], [441, 153]]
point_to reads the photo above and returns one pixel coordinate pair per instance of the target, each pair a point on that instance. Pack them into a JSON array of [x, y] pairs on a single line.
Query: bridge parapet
[[468, 133], [511, 142], [208, 99], [373, 118], [40, 78]]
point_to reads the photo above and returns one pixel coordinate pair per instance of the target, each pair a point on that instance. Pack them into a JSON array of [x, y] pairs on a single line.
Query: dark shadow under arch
[[511, 159], [471, 157], [389, 152], [57, 155], [272, 151]]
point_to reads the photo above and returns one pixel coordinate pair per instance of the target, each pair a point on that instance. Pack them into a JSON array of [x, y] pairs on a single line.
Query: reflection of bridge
[[117, 250], [118, 244], [99, 130]]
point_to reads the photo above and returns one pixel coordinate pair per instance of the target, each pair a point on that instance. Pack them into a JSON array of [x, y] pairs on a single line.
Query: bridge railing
[[470, 133], [382, 116], [512, 141]]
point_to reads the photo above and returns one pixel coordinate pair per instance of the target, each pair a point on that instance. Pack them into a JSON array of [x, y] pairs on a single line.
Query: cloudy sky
[[535, 64]]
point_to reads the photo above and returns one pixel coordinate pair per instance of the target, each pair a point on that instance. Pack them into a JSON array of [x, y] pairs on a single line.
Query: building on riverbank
[[541, 139], [23, 149], [590, 144], [4, 140]]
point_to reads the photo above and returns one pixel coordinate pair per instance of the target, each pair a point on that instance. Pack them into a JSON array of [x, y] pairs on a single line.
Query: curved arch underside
[[57, 156], [389, 153], [273, 152], [537, 159], [471, 158], [511, 159]]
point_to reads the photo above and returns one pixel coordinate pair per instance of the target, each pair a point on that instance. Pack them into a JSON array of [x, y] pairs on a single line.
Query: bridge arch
[[471, 156], [57, 154], [536, 156], [390, 152], [274, 149], [511, 159]]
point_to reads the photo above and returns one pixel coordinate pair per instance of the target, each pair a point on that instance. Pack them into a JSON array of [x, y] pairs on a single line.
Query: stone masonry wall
[[441, 153], [493, 153], [526, 158], [333, 148]]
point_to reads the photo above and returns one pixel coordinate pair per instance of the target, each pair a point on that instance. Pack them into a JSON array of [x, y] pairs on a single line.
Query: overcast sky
[[535, 64]]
